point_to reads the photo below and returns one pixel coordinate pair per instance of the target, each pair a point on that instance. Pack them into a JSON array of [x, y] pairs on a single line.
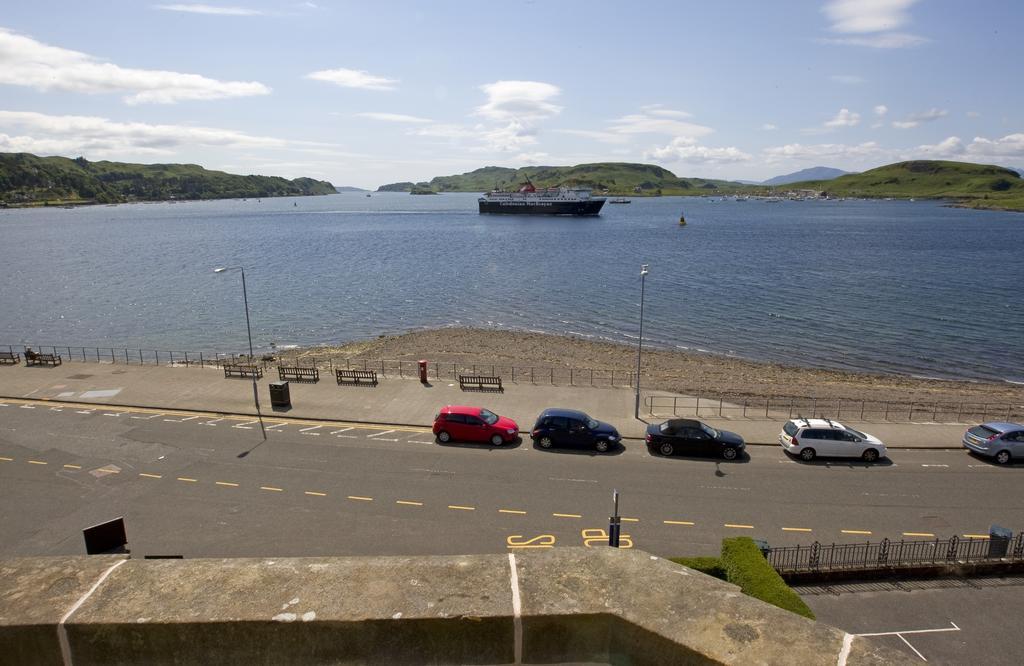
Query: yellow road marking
[[796, 529], [109, 471], [37, 462], [226, 483], [313, 492], [976, 536], [6, 459], [518, 513], [461, 508], [631, 520], [677, 522], [855, 531], [740, 527], [151, 476], [566, 515], [73, 466], [272, 488], [922, 534], [408, 503], [185, 478], [360, 499]]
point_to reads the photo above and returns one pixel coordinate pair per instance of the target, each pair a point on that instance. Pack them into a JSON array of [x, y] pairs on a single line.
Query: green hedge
[[711, 566], [747, 567]]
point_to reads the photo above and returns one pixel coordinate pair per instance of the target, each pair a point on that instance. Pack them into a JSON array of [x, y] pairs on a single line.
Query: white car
[[810, 438]]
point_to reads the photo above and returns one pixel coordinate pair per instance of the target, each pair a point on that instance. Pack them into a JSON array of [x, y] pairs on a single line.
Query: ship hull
[[579, 208]]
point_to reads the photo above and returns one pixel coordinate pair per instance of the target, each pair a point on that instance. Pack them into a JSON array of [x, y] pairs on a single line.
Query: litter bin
[[423, 372], [280, 395], [998, 541]]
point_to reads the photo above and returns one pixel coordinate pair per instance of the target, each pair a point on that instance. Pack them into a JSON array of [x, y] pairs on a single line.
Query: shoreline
[[676, 371]]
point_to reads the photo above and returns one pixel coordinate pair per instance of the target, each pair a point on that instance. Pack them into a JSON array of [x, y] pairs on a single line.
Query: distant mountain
[[813, 173], [347, 188], [27, 179], [1020, 172], [615, 177]]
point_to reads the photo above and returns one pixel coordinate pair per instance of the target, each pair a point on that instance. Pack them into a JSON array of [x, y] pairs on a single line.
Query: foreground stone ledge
[[577, 605]]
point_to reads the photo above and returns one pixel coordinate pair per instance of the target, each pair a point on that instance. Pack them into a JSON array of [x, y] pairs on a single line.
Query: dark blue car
[[573, 429]]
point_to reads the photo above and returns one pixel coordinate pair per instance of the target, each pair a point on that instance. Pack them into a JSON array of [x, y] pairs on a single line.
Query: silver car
[[1000, 441]]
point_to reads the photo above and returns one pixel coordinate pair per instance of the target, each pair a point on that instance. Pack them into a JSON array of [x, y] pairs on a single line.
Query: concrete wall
[[563, 605]]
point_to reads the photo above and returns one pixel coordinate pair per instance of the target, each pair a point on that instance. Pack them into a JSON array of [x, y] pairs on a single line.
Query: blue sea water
[[893, 286]]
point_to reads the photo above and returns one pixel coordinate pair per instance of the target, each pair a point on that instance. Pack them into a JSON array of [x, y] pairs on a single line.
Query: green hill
[[973, 185], [26, 179], [615, 177]]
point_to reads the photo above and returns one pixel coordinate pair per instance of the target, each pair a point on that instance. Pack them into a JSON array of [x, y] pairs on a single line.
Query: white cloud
[[530, 158], [835, 151], [393, 117], [686, 150], [353, 78], [951, 147], [845, 118], [519, 100], [1011, 145], [660, 110], [891, 40], [769, 127], [859, 16], [643, 123], [915, 119], [604, 137], [881, 110], [211, 9], [27, 62], [849, 79], [973, 114], [95, 136]]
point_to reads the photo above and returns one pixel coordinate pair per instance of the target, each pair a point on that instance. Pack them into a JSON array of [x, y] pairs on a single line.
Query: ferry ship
[[550, 201]]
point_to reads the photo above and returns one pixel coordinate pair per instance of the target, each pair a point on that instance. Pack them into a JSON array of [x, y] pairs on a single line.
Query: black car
[[571, 428], [689, 437]]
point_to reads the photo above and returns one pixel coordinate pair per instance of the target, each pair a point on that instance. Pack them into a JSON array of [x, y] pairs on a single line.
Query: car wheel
[[729, 453], [869, 456], [601, 445], [496, 440], [666, 449], [444, 437], [1003, 457], [808, 454], [545, 442]]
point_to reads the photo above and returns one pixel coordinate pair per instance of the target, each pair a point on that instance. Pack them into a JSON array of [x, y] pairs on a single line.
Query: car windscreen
[[983, 431], [790, 428], [592, 424], [856, 433], [709, 430], [489, 417]]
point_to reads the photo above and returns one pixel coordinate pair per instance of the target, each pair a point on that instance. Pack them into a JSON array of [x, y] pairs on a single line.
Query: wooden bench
[[356, 376], [240, 370], [43, 359], [480, 382], [11, 358], [298, 374]]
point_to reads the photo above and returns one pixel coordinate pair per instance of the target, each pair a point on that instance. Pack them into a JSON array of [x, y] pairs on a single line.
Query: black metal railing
[[886, 554]]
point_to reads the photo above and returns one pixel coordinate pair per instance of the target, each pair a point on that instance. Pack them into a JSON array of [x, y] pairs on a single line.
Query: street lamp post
[[640, 341], [248, 329]]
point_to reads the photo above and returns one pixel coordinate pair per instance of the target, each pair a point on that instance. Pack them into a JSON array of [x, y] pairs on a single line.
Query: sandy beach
[[673, 371]]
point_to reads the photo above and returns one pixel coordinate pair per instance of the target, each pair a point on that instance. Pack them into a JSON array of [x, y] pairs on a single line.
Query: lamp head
[[219, 270], [643, 270]]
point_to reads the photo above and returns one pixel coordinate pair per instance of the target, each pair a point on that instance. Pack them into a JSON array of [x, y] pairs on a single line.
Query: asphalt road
[[200, 486]]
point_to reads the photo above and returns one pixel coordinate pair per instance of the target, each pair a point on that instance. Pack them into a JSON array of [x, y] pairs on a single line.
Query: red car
[[473, 424]]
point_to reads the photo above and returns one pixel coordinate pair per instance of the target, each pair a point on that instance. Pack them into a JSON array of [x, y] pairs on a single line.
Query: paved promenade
[[393, 401]]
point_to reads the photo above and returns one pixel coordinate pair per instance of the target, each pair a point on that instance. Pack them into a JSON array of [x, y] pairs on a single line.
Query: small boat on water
[[620, 200], [682, 220]]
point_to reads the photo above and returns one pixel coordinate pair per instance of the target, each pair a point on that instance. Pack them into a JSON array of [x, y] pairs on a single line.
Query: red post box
[[423, 372]]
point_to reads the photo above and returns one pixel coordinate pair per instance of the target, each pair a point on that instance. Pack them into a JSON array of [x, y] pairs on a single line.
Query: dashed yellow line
[[73, 466], [459, 507], [359, 498], [151, 476], [678, 522], [855, 531], [272, 489], [512, 511], [977, 536], [630, 520], [796, 529], [316, 494], [408, 503], [918, 534], [739, 527], [229, 484], [6, 459], [187, 479], [566, 515], [37, 462]]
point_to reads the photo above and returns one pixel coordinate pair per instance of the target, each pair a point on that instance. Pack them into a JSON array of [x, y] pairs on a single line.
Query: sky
[[363, 94]]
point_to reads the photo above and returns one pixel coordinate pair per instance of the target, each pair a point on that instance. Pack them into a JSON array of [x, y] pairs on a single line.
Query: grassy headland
[[27, 180]]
